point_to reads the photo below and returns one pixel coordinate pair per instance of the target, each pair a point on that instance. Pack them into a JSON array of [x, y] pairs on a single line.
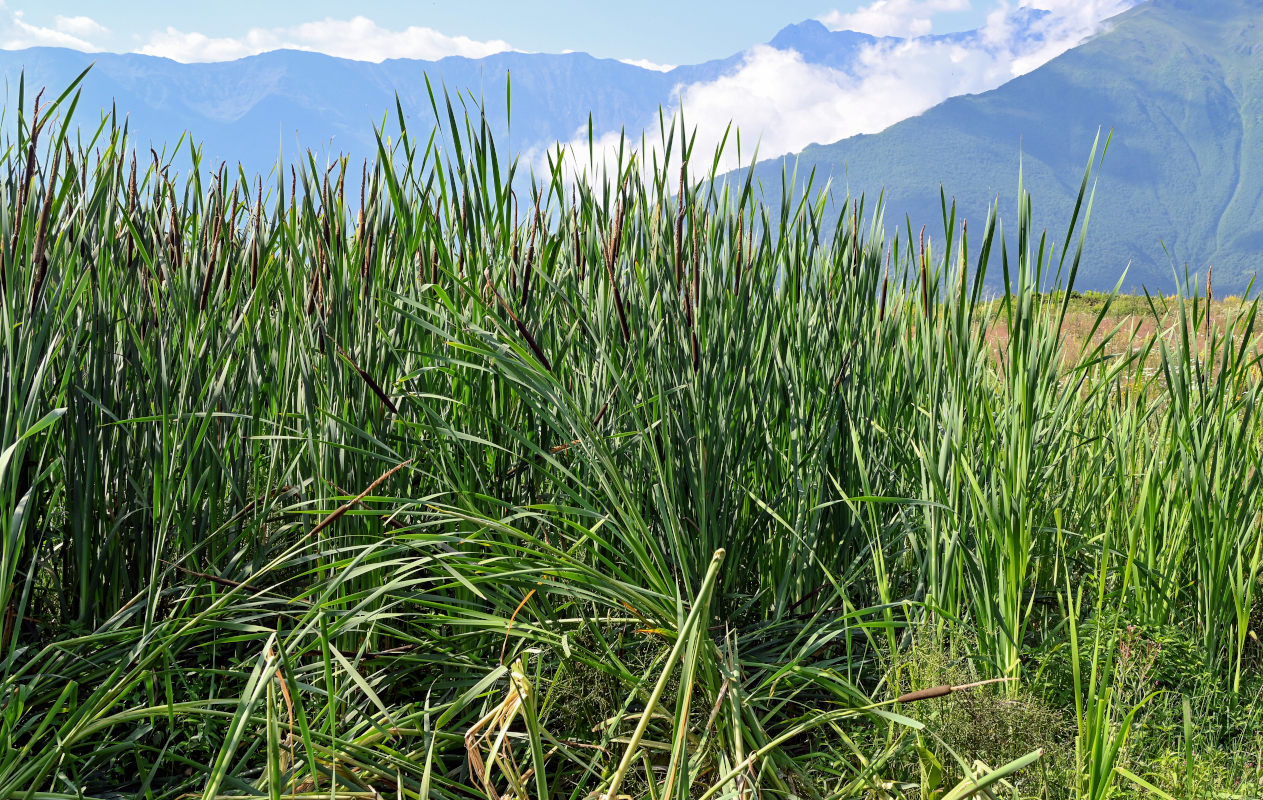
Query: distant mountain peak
[[817, 44], [815, 33]]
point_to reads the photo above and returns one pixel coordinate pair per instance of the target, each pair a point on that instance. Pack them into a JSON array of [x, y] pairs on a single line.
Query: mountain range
[[246, 110], [1179, 83], [1176, 86]]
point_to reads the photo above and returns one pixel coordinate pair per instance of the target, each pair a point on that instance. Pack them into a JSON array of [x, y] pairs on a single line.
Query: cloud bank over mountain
[[72, 32], [358, 38], [787, 102], [904, 18]]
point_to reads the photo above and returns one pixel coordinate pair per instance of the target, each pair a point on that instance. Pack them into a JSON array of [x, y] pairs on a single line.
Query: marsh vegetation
[[387, 480]]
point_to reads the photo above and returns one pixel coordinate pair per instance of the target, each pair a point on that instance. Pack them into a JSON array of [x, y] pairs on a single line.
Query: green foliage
[[626, 486], [991, 725]]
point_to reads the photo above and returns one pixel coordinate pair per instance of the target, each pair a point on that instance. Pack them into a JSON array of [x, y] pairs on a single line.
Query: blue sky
[[660, 31]]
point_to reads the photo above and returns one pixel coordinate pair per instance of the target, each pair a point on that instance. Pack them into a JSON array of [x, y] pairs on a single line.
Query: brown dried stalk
[[368, 379], [944, 690], [561, 448], [231, 584], [366, 269], [359, 223], [232, 225], [341, 510], [679, 225], [527, 269], [28, 174], [41, 233], [208, 280], [521, 328], [131, 210], [175, 240], [315, 292], [611, 256]]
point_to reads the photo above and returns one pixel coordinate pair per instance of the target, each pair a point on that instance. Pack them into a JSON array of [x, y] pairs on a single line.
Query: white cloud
[[1070, 22], [181, 46], [16, 33], [359, 38], [893, 17], [787, 103], [79, 26], [645, 63]]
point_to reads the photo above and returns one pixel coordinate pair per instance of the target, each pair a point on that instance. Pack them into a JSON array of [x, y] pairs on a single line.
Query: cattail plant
[[409, 501]]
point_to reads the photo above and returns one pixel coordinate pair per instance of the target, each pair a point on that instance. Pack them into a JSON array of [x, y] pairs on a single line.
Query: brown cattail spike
[[132, 202], [522, 329], [341, 510], [41, 261], [359, 224], [176, 239], [232, 226], [28, 175], [925, 694], [213, 245], [530, 257], [368, 379], [315, 292], [366, 267], [679, 224], [945, 689], [611, 256]]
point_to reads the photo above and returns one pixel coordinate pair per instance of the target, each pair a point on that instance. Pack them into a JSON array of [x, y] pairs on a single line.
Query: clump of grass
[[301, 498], [992, 726]]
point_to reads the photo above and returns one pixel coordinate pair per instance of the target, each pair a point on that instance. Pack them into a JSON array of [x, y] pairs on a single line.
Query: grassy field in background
[[1138, 324], [388, 481]]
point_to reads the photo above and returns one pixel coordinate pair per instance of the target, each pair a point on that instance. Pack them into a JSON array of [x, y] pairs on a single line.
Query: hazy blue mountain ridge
[[245, 110]]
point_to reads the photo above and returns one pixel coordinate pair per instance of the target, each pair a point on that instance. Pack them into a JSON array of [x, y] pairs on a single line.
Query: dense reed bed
[[385, 480]]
